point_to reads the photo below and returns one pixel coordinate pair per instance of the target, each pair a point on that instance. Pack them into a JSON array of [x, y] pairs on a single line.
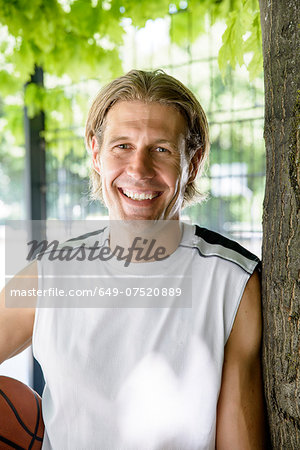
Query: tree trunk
[[279, 21]]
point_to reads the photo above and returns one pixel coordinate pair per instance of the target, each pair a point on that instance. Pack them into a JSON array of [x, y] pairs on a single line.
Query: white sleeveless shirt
[[142, 377]]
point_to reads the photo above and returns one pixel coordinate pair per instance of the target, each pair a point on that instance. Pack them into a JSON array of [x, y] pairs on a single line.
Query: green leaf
[[9, 84], [254, 44], [239, 22], [23, 60]]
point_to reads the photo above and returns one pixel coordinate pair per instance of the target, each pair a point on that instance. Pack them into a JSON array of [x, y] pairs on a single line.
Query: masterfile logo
[[116, 264], [141, 250]]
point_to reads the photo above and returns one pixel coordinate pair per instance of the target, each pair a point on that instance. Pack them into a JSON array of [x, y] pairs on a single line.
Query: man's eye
[[161, 149], [123, 146]]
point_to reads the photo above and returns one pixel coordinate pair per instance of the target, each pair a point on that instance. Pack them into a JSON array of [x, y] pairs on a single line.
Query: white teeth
[[137, 196]]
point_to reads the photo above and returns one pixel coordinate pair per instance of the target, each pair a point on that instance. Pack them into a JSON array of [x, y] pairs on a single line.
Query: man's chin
[[143, 216]]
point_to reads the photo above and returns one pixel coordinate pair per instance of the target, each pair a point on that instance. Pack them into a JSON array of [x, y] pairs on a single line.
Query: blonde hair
[[148, 87]]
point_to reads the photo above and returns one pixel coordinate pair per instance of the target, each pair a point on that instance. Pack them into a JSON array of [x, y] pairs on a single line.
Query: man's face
[[142, 161]]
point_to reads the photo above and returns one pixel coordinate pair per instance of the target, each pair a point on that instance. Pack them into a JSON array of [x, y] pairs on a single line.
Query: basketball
[[21, 423]]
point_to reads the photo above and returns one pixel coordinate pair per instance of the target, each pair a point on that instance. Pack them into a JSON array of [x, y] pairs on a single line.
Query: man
[[158, 377]]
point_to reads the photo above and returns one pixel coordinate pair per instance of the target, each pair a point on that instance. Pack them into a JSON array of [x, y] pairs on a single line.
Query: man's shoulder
[[209, 244]]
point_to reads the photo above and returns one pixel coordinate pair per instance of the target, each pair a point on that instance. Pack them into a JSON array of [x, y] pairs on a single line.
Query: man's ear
[[194, 165], [95, 155]]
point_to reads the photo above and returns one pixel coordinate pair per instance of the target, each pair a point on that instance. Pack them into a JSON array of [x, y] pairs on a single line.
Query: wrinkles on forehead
[[124, 120]]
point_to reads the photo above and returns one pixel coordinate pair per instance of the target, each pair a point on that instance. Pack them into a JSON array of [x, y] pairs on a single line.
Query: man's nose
[[140, 165]]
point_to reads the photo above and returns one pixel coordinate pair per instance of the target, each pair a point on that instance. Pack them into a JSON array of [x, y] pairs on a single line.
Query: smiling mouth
[[140, 196]]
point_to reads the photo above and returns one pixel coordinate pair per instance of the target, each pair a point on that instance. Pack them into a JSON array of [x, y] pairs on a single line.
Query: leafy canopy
[[82, 39]]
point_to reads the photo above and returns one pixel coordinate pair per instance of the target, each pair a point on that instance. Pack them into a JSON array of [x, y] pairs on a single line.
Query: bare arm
[[240, 419], [16, 324]]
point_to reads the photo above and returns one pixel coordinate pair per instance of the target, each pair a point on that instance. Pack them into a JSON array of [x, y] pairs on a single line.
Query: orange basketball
[[21, 423]]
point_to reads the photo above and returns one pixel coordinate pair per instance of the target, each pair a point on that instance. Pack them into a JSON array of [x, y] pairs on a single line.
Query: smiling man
[[143, 164], [168, 374]]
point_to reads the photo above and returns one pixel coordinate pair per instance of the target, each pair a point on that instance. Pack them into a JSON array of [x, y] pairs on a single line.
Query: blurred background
[[56, 55]]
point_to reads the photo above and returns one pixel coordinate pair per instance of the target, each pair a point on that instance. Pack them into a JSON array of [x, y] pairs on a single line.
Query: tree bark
[[280, 33]]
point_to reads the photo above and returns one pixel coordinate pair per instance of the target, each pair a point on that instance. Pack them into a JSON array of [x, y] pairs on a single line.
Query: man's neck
[[147, 241]]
